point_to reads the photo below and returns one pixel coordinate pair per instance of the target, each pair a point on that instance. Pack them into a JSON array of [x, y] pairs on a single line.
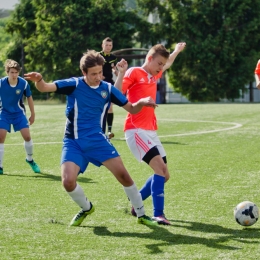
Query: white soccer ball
[[246, 213]]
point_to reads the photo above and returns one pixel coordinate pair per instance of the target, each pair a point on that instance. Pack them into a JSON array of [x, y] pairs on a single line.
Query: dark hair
[[107, 39], [157, 50], [12, 64], [91, 59]]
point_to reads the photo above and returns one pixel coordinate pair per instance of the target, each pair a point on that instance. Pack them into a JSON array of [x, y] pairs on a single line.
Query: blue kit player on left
[[12, 111], [88, 101]]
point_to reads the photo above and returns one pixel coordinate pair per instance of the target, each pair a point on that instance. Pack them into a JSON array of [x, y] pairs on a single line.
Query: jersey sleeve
[[66, 86], [257, 69], [117, 97], [116, 60], [27, 91], [128, 80]]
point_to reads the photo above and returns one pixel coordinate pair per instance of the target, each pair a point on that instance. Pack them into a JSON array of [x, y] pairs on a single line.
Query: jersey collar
[[106, 54]]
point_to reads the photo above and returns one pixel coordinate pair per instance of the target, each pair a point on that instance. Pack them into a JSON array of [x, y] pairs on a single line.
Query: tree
[[223, 42], [4, 40], [54, 34]]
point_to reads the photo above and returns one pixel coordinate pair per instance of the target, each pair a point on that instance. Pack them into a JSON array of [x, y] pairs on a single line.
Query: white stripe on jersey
[[76, 113], [105, 107], [22, 108], [75, 123]]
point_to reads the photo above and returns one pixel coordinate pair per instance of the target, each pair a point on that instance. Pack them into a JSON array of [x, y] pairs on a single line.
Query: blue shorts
[[18, 122], [94, 149]]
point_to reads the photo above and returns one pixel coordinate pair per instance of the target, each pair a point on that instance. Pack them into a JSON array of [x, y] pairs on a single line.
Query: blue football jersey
[[11, 98], [87, 106]]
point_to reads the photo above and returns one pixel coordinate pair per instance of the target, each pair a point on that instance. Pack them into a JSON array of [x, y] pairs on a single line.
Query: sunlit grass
[[210, 174]]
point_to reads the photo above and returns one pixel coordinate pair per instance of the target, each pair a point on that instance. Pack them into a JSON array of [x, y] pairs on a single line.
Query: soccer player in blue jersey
[[88, 100], [12, 111]]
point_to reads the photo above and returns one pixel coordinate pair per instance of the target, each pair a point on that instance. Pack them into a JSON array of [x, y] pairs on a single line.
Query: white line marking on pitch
[[235, 125]]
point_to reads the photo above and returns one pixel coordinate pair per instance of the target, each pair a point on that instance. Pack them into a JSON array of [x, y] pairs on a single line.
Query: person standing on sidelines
[[257, 74], [84, 141], [12, 111], [140, 129], [108, 69]]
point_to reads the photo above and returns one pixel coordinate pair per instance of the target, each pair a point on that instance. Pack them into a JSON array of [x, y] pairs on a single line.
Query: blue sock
[[157, 190], [146, 189]]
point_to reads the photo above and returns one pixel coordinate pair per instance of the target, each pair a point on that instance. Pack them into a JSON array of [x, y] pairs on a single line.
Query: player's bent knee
[[27, 138], [69, 184], [161, 169]]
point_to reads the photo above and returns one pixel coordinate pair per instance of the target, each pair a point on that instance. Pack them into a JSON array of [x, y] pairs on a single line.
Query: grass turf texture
[[210, 174]]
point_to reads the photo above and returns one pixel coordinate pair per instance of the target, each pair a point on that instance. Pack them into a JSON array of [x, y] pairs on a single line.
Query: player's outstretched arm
[[40, 84], [257, 74], [178, 48], [137, 106], [31, 107], [121, 69]]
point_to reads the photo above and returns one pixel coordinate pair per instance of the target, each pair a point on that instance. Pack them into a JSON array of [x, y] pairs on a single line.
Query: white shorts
[[141, 141]]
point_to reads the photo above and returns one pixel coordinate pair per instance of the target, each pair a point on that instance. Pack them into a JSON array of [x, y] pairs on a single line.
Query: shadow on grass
[[163, 142], [167, 142], [51, 177], [235, 234], [165, 237]]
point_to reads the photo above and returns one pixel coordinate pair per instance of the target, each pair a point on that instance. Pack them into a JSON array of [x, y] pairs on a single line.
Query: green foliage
[[223, 42], [56, 33], [4, 40]]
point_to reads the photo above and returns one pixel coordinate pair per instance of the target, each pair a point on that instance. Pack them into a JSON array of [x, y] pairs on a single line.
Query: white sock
[[28, 146], [136, 199], [1, 155], [79, 197]]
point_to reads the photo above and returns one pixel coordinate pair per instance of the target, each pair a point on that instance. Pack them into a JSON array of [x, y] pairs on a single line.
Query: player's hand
[[31, 119], [122, 66], [33, 76], [180, 46], [148, 102]]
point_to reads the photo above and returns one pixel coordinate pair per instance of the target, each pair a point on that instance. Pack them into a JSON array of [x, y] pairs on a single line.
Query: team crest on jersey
[[18, 91], [104, 93]]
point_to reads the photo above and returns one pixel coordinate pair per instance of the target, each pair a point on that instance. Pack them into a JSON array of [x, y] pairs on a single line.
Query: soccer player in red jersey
[[140, 129], [257, 74]]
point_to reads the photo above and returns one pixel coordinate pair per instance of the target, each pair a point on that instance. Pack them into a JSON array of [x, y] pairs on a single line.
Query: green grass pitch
[[213, 153]]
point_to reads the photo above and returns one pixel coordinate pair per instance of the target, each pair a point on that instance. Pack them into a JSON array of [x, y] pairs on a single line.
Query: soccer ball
[[246, 213]]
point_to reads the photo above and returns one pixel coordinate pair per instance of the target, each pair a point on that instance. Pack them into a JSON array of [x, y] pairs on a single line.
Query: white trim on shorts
[[140, 141]]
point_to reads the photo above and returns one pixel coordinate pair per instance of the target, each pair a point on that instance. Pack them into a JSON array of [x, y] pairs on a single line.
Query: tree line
[[222, 36]]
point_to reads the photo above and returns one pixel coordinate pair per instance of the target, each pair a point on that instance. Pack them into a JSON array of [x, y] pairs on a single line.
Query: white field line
[[45, 143], [234, 126]]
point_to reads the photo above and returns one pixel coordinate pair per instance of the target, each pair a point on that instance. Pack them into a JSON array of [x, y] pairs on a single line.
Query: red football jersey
[[137, 83]]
